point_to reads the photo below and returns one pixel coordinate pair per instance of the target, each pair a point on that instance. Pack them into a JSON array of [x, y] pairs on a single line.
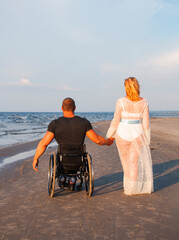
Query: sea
[[22, 127]]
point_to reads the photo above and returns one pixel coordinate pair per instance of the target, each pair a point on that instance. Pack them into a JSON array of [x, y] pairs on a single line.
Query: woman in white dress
[[131, 129]]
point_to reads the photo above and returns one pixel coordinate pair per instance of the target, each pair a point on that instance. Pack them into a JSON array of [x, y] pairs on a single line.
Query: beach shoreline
[[28, 148], [28, 213], [158, 126]]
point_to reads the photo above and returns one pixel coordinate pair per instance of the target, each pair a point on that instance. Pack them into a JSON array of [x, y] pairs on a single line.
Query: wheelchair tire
[[51, 174], [89, 179]]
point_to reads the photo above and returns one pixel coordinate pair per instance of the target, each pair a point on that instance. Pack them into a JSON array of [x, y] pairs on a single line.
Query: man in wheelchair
[[68, 130]]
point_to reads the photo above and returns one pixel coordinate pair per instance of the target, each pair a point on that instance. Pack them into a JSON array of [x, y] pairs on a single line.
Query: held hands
[[110, 141], [35, 164]]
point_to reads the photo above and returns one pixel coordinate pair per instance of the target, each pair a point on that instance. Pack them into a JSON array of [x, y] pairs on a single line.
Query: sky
[[85, 49]]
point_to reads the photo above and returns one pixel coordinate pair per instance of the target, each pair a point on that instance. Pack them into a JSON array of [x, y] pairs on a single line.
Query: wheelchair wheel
[[51, 174], [89, 178]]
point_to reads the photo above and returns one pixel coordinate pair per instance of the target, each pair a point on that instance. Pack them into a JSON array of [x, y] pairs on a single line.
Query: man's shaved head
[[68, 104]]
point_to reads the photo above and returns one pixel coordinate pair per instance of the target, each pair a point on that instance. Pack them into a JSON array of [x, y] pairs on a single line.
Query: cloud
[[156, 5], [26, 83], [164, 65], [109, 67], [67, 88], [22, 82], [169, 59]]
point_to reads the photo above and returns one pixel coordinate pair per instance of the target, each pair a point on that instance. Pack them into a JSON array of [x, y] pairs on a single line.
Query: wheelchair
[[71, 161]]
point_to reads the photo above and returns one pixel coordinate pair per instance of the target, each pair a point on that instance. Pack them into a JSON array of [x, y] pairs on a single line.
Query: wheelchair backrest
[[71, 156], [71, 149]]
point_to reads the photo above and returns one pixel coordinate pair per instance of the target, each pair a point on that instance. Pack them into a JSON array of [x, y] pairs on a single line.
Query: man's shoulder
[[61, 118], [83, 122], [56, 120], [75, 119], [81, 118]]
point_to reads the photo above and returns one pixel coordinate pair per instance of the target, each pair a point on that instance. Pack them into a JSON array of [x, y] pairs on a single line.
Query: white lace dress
[[131, 129]]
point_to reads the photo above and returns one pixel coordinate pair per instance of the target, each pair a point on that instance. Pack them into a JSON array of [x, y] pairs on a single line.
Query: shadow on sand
[[108, 183], [165, 175]]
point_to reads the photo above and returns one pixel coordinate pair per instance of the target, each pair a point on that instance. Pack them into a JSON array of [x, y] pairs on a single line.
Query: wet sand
[[26, 211]]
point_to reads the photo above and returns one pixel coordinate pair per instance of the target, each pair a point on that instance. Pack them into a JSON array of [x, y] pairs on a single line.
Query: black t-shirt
[[69, 130]]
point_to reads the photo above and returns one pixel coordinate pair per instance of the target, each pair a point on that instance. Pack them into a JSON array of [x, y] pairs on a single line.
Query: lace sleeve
[[146, 123], [115, 121]]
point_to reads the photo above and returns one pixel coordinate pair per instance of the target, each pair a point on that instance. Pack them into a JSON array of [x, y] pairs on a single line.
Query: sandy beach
[[28, 213]]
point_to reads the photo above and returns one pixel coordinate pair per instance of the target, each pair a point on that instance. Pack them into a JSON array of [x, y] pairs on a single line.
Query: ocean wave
[[24, 133], [17, 118], [2, 134], [164, 114], [24, 127]]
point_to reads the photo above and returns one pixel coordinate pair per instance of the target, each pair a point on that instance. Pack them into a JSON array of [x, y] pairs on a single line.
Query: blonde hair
[[132, 88]]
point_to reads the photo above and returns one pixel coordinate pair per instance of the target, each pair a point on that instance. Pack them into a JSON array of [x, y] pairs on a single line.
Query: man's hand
[[35, 164], [93, 136], [110, 141]]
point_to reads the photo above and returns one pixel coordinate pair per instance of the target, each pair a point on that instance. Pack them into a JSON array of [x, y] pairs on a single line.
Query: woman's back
[[132, 109]]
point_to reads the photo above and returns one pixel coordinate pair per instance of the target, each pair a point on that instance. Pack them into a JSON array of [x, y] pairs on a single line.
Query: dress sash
[[127, 121]]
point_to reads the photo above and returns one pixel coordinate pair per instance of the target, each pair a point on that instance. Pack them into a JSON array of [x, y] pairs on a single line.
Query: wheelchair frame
[[85, 171]]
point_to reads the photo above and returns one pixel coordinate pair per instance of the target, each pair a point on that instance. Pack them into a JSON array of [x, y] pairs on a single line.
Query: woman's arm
[[115, 122], [146, 123]]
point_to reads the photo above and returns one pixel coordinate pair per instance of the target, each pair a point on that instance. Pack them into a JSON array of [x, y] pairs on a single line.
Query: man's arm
[[46, 140], [93, 136]]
